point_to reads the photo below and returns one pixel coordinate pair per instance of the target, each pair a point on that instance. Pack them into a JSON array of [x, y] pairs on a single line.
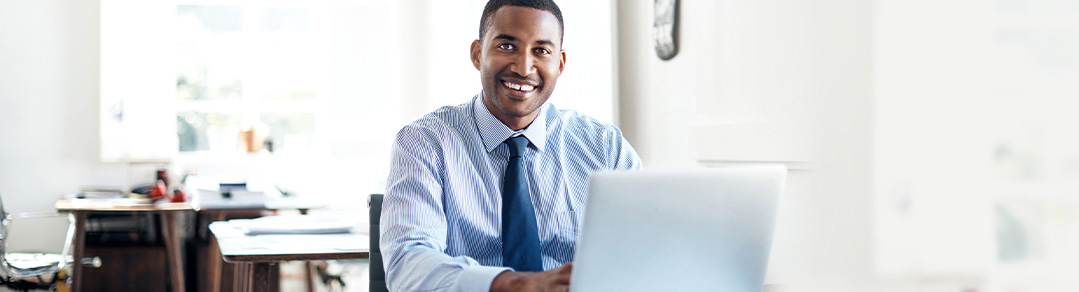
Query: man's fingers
[[562, 281], [564, 273]]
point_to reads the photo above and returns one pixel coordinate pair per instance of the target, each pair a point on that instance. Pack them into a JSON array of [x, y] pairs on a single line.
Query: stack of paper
[[295, 224]]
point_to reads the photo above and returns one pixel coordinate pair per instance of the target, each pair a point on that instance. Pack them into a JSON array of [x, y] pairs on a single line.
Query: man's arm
[[621, 155], [413, 224]]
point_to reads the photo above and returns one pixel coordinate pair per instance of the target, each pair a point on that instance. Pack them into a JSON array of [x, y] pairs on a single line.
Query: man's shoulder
[[443, 119], [594, 144], [572, 122]]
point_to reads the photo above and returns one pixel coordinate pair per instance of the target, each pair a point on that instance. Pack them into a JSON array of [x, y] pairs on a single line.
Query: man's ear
[[477, 48], [561, 62]]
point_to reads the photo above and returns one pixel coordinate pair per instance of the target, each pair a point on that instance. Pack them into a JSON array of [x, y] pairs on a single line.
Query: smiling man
[[486, 195]]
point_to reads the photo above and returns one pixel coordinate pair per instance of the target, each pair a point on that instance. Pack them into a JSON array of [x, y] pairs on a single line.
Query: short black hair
[[545, 5]]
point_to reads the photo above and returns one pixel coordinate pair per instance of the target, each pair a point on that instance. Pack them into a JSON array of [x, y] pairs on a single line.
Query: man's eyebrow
[[506, 37], [545, 42]]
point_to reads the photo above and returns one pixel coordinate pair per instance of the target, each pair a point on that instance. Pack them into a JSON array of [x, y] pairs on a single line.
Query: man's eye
[[542, 51], [506, 47]]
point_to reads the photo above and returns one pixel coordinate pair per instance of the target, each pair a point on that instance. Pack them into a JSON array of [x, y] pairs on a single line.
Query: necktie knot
[[517, 145]]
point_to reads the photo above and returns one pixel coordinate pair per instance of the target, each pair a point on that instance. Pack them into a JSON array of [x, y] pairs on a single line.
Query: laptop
[[678, 230]]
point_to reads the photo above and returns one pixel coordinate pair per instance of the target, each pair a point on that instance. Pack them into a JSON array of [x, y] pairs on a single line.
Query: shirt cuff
[[477, 278]]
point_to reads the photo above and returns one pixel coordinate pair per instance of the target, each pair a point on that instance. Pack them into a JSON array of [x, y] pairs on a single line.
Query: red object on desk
[[178, 196], [158, 191]]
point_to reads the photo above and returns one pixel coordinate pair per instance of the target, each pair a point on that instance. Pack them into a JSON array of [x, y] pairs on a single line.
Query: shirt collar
[[493, 132]]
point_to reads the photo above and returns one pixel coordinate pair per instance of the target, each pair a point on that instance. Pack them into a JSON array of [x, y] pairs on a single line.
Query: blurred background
[[932, 144]]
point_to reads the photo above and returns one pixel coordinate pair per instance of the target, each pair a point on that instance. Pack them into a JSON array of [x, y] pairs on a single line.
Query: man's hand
[[553, 280]]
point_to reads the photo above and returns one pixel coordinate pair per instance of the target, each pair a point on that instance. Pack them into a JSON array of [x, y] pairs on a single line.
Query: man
[[487, 195]]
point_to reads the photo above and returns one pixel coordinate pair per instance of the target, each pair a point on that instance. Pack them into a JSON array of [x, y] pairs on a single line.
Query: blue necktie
[[520, 240]]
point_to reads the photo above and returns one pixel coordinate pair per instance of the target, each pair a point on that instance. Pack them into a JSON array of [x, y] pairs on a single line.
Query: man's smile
[[519, 89]]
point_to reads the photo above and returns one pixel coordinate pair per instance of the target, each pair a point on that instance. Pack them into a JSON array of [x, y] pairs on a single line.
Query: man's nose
[[524, 64]]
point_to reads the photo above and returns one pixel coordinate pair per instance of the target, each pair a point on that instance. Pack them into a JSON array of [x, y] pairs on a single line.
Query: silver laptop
[[678, 230]]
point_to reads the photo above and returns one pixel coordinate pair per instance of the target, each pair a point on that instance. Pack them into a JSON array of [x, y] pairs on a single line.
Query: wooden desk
[[253, 255], [83, 207], [218, 211]]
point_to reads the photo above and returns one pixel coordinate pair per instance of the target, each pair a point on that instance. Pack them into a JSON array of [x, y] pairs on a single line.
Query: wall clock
[[665, 28]]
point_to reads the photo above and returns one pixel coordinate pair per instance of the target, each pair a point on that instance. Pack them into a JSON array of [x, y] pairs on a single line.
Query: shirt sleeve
[[413, 223], [622, 155]]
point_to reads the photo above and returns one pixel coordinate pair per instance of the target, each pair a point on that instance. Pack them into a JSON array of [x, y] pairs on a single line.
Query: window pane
[[284, 19], [287, 94], [1030, 231], [209, 63], [213, 19], [199, 131], [193, 82], [290, 131]]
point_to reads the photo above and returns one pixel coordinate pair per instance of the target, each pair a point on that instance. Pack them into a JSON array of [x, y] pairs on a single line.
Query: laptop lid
[[678, 230]]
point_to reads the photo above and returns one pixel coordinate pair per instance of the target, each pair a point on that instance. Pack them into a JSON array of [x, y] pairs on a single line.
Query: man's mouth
[[518, 86]]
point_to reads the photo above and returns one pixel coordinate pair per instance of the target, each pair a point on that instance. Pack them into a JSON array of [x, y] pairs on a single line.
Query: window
[[253, 69]]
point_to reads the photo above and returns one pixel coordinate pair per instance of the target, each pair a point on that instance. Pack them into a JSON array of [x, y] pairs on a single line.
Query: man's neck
[[514, 123], [517, 124]]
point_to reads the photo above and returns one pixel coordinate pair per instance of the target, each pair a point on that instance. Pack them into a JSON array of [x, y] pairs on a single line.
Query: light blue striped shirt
[[442, 211]]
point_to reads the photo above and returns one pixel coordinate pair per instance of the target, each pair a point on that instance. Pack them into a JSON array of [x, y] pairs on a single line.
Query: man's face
[[519, 58]]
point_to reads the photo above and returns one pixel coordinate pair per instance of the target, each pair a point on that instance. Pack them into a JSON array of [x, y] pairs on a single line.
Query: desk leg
[[172, 248], [308, 266], [214, 266], [244, 276], [237, 275], [261, 277], [215, 256], [79, 252]]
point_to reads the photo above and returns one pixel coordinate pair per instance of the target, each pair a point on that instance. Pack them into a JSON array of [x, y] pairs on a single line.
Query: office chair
[[376, 272], [25, 271]]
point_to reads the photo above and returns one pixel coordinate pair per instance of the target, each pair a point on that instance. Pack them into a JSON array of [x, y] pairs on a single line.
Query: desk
[[254, 255], [83, 207], [218, 209]]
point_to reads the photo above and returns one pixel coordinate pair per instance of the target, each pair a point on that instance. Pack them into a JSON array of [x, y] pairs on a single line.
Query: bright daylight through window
[[247, 77]]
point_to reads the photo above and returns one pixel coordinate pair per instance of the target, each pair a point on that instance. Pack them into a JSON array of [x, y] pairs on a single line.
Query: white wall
[[48, 110], [975, 158], [800, 68]]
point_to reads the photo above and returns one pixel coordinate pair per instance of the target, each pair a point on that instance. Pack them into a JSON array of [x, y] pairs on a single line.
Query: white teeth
[[518, 87]]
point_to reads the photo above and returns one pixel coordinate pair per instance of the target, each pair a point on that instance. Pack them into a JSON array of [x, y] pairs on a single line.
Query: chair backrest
[[24, 271], [377, 273], [5, 220]]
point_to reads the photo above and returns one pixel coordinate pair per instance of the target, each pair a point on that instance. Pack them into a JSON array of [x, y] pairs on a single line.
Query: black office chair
[[377, 274]]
